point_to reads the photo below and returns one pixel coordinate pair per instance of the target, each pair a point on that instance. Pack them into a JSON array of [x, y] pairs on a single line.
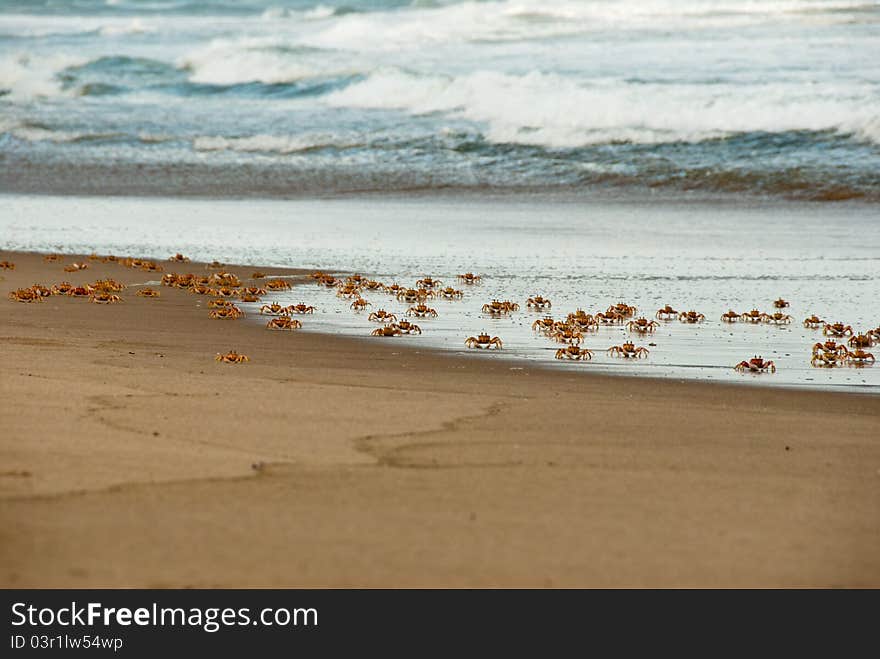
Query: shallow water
[[771, 97], [707, 257]]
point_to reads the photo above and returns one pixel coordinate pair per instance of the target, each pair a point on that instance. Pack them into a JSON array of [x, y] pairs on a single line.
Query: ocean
[[754, 98]]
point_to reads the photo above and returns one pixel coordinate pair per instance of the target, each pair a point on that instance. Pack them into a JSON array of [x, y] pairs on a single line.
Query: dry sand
[[126, 458]]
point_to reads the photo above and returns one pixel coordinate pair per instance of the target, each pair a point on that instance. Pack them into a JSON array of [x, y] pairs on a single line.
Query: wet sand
[[128, 457]]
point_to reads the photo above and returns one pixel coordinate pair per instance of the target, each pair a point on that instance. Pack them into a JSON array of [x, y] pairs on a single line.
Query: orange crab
[[230, 312], [277, 285], [62, 289], [544, 325], [148, 292], [666, 313], [730, 316], [777, 318], [859, 357], [387, 331], [104, 298], [382, 316], [7, 265], [80, 291], [301, 308], [411, 295], [470, 278], [837, 329], [691, 317], [813, 322], [360, 304], [108, 286], [222, 279], [483, 340], [781, 304], [53, 258], [498, 308], [627, 350], [421, 311], [178, 258], [861, 341], [753, 316], [428, 282], [625, 310], [642, 326], [232, 357], [408, 328], [75, 267], [283, 323], [538, 302], [565, 334], [275, 309], [612, 318], [25, 295], [450, 293], [576, 353], [756, 365], [215, 265], [829, 346]]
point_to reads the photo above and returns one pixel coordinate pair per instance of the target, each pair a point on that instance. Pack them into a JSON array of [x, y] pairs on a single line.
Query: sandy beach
[[130, 457]]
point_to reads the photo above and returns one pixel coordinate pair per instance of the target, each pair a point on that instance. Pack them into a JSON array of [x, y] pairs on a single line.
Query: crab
[[470, 278], [408, 328], [393, 289], [584, 321], [829, 347], [258, 275], [496, 308], [837, 329], [781, 304], [624, 310], [7, 265], [170, 279], [813, 322], [148, 292], [777, 318], [450, 293], [628, 349], [349, 291], [691, 317], [382, 316], [150, 266], [642, 326], [62, 289], [80, 291], [829, 359], [483, 340], [277, 285], [859, 357], [666, 313], [730, 316], [411, 295], [328, 281], [538, 302], [283, 323], [220, 303], [104, 298], [421, 311], [215, 265], [756, 365], [301, 308], [753, 316], [252, 290], [179, 258], [544, 325], [612, 318], [275, 309], [108, 285], [42, 291], [388, 330], [428, 282], [74, 267], [360, 304], [565, 334], [222, 279], [372, 285], [232, 357], [53, 258], [246, 297], [574, 352], [200, 289], [227, 313], [860, 341], [225, 291], [25, 295]]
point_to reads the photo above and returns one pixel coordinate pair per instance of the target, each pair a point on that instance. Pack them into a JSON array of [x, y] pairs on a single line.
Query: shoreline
[[132, 458]]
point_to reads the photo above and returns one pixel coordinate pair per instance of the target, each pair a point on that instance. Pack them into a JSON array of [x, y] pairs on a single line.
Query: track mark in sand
[[22, 473], [36, 343]]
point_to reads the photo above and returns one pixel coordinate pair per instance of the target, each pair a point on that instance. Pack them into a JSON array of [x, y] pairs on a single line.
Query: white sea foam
[[281, 144], [28, 76], [556, 111]]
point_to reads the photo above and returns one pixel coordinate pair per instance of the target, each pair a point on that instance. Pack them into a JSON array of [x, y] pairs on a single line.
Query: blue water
[[777, 97]]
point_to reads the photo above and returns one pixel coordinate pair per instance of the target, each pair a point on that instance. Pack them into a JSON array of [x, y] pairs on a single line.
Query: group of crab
[[571, 331], [103, 291]]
